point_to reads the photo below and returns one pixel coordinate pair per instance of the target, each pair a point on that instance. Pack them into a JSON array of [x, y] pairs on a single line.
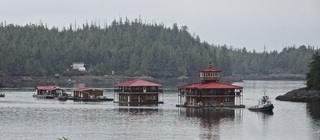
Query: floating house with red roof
[[89, 94], [210, 92], [138, 92], [47, 92]]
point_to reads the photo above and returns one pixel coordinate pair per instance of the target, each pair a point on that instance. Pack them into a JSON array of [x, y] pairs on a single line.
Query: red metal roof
[[47, 87], [211, 85], [138, 83], [210, 70], [82, 89]]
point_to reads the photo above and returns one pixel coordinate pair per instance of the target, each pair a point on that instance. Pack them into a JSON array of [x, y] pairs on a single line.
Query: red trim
[[47, 87], [210, 70], [138, 83], [82, 89], [211, 85]]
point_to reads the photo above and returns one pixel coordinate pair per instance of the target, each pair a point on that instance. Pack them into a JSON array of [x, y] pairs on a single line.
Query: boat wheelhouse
[[48, 92], [210, 92], [138, 92]]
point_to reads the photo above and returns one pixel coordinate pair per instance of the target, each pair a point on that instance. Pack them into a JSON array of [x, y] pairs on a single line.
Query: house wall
[[212, 101], [87, 93], [138, 98], [77, 65], [220, 101], [123, 98], [48, 92]]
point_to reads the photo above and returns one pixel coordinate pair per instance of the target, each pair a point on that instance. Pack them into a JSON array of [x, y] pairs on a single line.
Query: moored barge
[[48, 92]]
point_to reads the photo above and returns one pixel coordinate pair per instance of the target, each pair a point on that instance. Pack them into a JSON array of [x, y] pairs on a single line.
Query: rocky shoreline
[[300, 95]]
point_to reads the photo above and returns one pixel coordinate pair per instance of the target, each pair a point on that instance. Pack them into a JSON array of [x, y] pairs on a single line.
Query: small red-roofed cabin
[[87, 94], [138, 92], [47, 92], [210, 92]]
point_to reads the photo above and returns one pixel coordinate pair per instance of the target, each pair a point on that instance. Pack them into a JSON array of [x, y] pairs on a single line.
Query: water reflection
[[138, 111], [213, 115], [213, 122], [313, 110], [136, 105], [314, 113], [264, 116]]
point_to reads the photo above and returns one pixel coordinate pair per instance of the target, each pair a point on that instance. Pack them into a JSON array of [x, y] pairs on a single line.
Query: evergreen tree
[[313, 77]]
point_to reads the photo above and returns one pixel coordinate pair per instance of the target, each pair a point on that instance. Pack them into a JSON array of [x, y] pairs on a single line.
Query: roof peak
[[210, 65], [210, 68], [138, 82]]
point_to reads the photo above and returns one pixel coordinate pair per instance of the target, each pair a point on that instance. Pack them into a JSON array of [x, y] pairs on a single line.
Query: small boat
[[2, 95], [86, 94], [63, 98], [264, 104], [47, 92]]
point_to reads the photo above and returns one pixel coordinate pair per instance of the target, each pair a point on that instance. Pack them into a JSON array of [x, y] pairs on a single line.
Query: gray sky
[[239, 23]]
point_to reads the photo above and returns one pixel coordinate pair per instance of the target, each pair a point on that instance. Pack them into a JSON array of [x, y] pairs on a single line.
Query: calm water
[[23, 117]]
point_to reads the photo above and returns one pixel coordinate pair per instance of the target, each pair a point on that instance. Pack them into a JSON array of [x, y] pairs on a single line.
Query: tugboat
[[264, 104]]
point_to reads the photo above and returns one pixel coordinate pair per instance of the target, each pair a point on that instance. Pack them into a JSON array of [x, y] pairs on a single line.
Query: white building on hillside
[[78, 66]]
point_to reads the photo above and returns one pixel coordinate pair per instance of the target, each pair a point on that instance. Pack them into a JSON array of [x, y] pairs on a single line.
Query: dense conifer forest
[[133, 48]]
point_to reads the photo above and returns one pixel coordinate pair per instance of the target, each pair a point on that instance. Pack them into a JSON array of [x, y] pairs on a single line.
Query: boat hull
[[92, 100], [268, 107], [63, 98], [43, 97]]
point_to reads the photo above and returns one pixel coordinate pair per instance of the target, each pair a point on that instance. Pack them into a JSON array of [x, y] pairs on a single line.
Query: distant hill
[[133, 48]]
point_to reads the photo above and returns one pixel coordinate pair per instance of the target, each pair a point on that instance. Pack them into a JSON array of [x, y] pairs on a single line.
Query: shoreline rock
[[300, 95]]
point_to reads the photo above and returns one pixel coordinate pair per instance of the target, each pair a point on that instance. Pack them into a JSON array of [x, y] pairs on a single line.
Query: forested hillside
[[133, 48], [291, 60]]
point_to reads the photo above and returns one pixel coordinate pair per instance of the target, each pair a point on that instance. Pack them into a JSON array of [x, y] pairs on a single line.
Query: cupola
[[210, 74]]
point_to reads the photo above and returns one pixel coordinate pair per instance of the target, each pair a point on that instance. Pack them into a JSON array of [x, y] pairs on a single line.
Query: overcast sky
[[239, 23]]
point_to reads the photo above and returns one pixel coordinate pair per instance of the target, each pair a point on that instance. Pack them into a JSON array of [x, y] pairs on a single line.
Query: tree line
[[133, 48], [313, 76]]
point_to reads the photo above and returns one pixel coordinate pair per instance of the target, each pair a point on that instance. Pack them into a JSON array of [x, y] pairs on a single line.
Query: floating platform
[[139, 103], [90, 100], [211, 107]]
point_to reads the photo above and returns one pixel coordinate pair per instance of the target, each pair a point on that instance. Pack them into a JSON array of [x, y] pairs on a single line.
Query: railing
[[208, 94], [216, 78], [205, 96], [138, 91]]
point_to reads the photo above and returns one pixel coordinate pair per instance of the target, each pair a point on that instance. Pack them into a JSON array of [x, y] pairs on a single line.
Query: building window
[[215, 100], [227, 100], [153, 88], [153, 97]]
